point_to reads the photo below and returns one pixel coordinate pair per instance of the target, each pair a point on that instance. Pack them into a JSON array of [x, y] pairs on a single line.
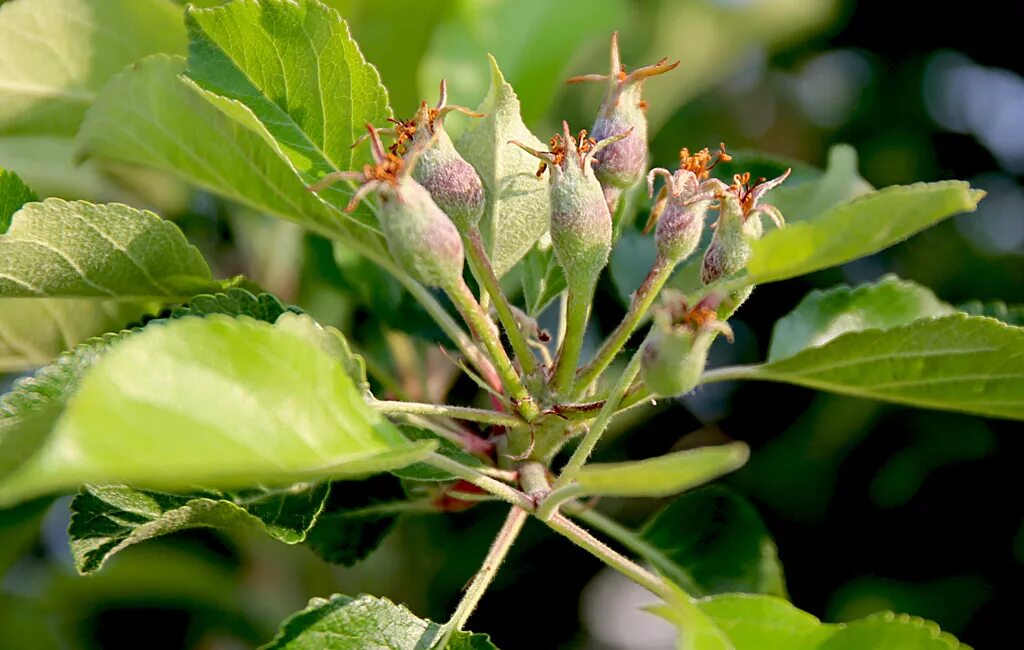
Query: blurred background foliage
[[872, 506]]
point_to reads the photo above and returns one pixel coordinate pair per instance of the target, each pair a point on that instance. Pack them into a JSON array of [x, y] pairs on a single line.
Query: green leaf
[[823, 315], [148, 115], [758, 622], [840, 183], [518, 206], [331, 341], [35, 330], [345, 623], [213, 401], [538, 60], [294, 69], [888, 630], [356, 518], [426, 471], [235, 302], [957, 362], [630, 262], [13, 194], [664, 475], [543, 279], [56, 54], [711, 541], [1009, 314], [861, 227], [67, 249], [107, 519]]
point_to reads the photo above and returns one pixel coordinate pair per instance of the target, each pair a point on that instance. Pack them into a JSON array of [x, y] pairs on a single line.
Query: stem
[[728, 373], [582, 453], [643, 297], [482, 270], [495, 556], [443, 410], [609, 556], [497, 488], [443, 319], [484, 330], [577, 312], [634, 542]]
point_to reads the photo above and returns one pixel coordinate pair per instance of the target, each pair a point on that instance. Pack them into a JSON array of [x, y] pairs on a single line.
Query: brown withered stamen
[[558, 148], [702, 162], [744, 190]]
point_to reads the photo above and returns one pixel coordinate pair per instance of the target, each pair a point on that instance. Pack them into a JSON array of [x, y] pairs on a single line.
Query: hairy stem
[[608, 555], [443, 410], [485, 332], [497, 488], [642, 300], [582, 453], [482, 270], [495, 556], [577, 312]]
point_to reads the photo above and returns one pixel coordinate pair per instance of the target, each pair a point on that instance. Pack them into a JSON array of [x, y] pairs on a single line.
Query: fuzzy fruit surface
[[452, 182], [679, 230], [420, 235], [673, 360], [730, 249], [624, 163], [581, 225]]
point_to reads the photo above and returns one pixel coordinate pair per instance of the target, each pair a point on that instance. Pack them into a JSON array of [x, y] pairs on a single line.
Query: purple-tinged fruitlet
[[420, 236], [452, 182], [683, 203], [676, 352], [622, 165], [581, 225]]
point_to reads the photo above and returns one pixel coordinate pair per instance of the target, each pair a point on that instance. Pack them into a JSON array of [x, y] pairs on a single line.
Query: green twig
[[485, 332], [575, 316], [642, 300], [582, 453], [475, 591], [497, 488], [443, 410], [608, 555], [482, 270]]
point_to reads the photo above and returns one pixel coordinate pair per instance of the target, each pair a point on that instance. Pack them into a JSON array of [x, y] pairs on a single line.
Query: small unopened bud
[[675, 354], [581, 224], [452, 182], [420, 236], [622, 165], [739, 224]]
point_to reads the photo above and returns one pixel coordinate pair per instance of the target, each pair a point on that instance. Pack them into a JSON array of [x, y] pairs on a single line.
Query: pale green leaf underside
[[858, 228], [57, 248], [293, 68], [662, 476], [35, 330], [148, 115], [56, 54], [712, 541], [218, 402], [956, 362], [823, 315], [345, 623], [108, 519], [518, 206]]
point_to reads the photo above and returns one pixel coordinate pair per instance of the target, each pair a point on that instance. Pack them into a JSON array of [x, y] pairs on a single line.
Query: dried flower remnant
[[420, 235], [676, 352], [623, 165], [683, 202]]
